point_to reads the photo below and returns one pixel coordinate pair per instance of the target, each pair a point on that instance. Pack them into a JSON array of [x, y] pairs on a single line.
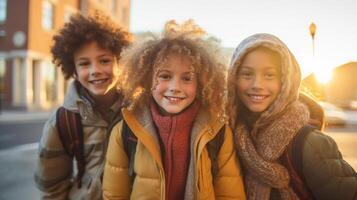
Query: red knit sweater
[[174, 132]]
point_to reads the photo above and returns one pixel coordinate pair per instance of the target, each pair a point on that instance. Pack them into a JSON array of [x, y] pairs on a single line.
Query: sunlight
[[323, 76]]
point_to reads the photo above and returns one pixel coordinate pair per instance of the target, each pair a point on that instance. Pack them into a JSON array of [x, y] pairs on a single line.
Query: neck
[[106, 101], [249, 117]]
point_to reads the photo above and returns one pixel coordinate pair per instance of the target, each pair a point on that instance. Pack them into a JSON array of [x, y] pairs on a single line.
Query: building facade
[[28, 79], [340, 91]]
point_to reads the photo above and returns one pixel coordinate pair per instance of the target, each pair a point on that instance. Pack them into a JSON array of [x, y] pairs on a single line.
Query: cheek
[[158, 89], [193, 89], [276, 87], [241, 85], [80, 73]]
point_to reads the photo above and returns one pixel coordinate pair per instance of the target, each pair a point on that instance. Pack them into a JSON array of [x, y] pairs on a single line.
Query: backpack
[[292, 160], [70, 132]]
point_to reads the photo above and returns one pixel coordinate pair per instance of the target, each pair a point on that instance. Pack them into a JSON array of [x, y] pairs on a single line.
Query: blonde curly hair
[[144, 60]]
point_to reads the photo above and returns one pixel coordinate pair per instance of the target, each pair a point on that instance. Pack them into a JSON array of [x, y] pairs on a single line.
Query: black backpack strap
[[294, 163], [70, 131], [129, 141], [297, 146], [213, 148]]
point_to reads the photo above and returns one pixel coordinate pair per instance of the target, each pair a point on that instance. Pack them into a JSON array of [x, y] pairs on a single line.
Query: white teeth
[[174, 98], [257, 97], [98, 81]]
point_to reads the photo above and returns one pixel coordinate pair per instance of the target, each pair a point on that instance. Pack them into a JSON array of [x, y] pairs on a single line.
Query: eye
[[164, 76], [271, 75], [83, 64], [246, 74], [105, 61], [188, 77]]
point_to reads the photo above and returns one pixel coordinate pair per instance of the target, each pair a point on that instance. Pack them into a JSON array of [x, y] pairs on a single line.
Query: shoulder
[[50, 138], [324, 169], [320, 143]]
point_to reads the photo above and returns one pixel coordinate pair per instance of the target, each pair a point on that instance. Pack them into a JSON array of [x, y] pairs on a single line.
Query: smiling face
[[96, 69], [258, 81], [175, 85]]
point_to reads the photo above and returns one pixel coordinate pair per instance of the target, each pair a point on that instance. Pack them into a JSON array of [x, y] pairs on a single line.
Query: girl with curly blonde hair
[[175, 85]]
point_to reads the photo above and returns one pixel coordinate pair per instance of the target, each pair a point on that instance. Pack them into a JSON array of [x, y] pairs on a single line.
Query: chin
[[257, 109]]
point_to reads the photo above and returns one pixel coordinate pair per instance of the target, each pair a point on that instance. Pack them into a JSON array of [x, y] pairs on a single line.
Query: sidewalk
[[23, 116], [17, 167]]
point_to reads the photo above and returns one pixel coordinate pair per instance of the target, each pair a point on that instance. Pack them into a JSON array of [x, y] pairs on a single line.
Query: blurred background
[[322, 34]]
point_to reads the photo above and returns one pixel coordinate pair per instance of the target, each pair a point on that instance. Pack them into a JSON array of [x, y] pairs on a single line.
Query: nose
[[257, 83], [95, 69], [175, 85]]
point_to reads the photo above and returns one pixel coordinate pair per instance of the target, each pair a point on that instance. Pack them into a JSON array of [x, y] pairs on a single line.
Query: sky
[[233, 20]]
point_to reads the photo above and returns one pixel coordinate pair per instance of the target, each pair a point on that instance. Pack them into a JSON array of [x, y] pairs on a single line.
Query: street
[[346, 139], [14, 134], [17, 161]]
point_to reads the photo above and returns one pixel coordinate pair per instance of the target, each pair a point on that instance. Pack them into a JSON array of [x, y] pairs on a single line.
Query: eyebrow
[[264, 68], [99, 56]]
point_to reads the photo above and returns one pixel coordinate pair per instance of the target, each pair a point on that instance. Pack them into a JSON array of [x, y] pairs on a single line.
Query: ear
[[74, 75]]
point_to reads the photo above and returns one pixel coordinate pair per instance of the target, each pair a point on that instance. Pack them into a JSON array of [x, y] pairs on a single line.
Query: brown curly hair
[[81, 30], [143, 61]]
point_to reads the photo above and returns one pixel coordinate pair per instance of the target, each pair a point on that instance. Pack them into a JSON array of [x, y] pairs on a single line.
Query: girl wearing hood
[[268, 120], [176, 85]]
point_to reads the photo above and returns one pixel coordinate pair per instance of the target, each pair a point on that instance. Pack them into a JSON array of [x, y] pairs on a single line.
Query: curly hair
[[81, 30], [145, 59]]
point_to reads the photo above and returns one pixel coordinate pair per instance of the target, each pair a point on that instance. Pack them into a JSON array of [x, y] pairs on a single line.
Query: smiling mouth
[[99, 81], [257, 98], [174, 99]]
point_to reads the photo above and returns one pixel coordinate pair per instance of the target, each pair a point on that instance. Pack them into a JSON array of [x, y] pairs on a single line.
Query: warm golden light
[[323, 76]]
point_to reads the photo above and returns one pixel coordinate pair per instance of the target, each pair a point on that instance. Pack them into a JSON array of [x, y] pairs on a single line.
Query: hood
[[290, 70]]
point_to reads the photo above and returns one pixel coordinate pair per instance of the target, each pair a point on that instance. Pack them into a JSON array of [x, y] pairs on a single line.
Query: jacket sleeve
[[116, 184], [327, 174], [53, 172], [229, 182]]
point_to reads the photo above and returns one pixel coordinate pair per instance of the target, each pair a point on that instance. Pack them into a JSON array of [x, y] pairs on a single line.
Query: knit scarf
[[261, 148], [174, 132]]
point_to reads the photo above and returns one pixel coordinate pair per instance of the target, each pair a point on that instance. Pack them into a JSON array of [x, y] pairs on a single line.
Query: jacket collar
[[140, 121], [79, 101]]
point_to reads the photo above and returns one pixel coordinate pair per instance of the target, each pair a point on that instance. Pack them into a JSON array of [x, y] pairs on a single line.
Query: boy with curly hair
[[177, 110], [87, 49]]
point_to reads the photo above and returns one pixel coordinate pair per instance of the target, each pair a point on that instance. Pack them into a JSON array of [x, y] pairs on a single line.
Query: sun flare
[[323, 76]]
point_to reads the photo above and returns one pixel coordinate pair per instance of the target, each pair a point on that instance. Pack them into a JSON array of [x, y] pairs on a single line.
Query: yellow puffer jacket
[[149, 182]]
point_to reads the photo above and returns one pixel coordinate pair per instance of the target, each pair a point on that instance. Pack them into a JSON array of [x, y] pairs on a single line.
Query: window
[[49, 73], [2, 10], [2, 75], [47, 15]]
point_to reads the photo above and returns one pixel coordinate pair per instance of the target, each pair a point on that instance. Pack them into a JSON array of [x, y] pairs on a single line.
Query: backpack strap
[[70, 131], [129, 141], [297, 146], [293, 161], [213, 148]]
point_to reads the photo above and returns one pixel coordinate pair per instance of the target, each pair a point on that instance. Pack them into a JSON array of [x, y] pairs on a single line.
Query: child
[[177, 111], [87, 49], [269, 123]]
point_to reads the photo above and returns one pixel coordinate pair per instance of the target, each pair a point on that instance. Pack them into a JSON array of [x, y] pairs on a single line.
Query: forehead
[[177, 62], [91, 48], [261, 57]]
